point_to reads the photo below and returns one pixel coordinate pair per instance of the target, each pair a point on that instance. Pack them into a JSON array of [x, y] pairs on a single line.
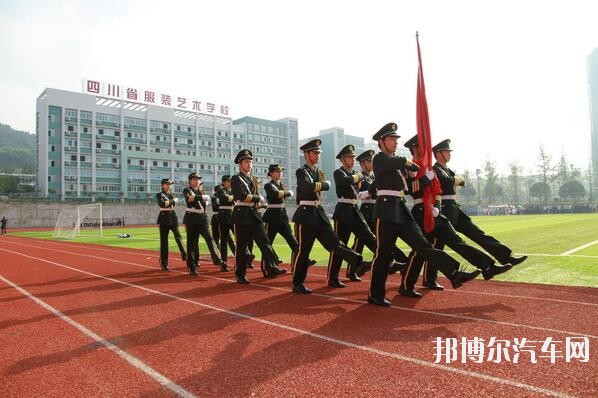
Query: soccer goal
[[85, 220]]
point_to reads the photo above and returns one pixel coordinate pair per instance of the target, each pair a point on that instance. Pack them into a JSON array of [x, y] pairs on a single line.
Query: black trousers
[[445, 234], [362, 233], [284, 229], [226, 240], [359, 244], [193, 233], [306, 235], [164, 230], [245, 235], [387, 233], [496, 249]]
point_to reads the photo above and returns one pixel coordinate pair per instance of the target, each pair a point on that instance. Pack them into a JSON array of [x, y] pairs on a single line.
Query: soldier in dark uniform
[[443, 232], [461, 221], [223, 192], [196, 224], [311, 222], [347, 217], [168, 221], [247, 221], [393, 219]]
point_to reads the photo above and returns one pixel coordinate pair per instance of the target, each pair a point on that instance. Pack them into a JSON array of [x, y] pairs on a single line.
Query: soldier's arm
[[343, 180], [162, 200], [305, 184], [272, 192], [189, 197], [240, 191], [387, 164]]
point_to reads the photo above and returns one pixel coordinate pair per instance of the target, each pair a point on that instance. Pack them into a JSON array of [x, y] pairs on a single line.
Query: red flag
[[424, 139]]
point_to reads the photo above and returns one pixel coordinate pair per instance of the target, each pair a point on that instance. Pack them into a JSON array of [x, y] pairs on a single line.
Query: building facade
[[95, 146]]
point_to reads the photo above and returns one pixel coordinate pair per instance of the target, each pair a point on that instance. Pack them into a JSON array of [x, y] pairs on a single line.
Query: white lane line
[[137, 363], [174, 257], [328, 296], [576, 249], [477, 375]]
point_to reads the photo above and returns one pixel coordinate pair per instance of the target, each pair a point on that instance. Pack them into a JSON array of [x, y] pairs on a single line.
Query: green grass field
[[543, 237]]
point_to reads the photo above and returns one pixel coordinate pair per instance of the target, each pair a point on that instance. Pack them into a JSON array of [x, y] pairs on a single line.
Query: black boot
[[494, 270], [459, 278]]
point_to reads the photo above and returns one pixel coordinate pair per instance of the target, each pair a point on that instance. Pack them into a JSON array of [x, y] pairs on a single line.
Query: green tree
[[515, 181], [493, 190], [540, 190], [545, 169], [572, 189], [468, 191]]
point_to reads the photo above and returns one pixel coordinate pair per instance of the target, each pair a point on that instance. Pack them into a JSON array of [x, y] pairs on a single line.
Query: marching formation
[[370, 205]]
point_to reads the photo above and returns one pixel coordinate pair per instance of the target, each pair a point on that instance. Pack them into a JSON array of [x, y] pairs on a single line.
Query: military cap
[[411, 142], [166, 181], [388, 130], [444, 145], [367, 155], [225, 177], [243, 154], [313, 145], [275, 167], [348, 150], [193, 175]]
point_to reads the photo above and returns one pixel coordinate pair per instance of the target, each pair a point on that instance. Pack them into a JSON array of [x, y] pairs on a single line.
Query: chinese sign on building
[[152, 97]]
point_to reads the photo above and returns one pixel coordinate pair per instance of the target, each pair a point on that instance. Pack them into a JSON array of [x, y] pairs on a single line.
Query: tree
[[468, 191], [492, 188], [545, 168], [572, 189], [515, 181], [540, 190], [9, 184]]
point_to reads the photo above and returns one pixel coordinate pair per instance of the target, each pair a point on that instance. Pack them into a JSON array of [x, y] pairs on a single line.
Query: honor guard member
[[215, 228], [311, 221], [168, 221], [393, 219], [196, 224], [224, 197], [461, 221], [247, 221], [367, 200], [443, 232]]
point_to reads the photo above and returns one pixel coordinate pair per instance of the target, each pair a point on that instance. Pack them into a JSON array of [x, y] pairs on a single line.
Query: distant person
[[168, 221], [3, 225]]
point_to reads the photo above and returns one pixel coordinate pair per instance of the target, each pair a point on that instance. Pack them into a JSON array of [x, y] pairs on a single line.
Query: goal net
[[85, 220]]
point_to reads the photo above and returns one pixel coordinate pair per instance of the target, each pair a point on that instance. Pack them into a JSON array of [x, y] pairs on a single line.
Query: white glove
[[363, 195], [435, 211], [430, 175], [291, 194], [413, 174], [262, 200], [176, 200], [206, 198]]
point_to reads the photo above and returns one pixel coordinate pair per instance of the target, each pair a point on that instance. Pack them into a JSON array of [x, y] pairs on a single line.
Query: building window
[[165, 125], [116, 133], [52, 148], [73, 157], [82, 158], [155, 162], [190, 165], [128, 161], [188, 129], [141, 162], [190, 141], [52, 162], [113, 146], [70, 128], [85, 129], [101, 131], [157, 150], [165, 164]]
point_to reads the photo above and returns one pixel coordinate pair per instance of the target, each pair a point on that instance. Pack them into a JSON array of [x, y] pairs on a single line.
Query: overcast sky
[[502, 77]]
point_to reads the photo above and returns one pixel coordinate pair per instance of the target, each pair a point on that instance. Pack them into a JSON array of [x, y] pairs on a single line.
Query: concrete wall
[[44, 214]]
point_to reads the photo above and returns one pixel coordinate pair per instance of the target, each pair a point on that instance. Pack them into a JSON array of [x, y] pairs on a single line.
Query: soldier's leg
[[179, 241], [224, 235], [192, 249], [285, 230], [215, 229], [386, 236], [430, 271], [343, 231], [207, 237], [164, 246], [331, 242], [496, 249], [411, 274], [270, 266], [476, 257], [271, 232], [243, 236], [306, 237]]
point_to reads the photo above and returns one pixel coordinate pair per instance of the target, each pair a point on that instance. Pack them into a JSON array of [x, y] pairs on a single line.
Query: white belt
[[166, 209], [364, 201], [347, 200], [237, 203], [226, 207], [275, 205], [417, 201], [193, 210], [309, 202], [449, 197], [389, 192]]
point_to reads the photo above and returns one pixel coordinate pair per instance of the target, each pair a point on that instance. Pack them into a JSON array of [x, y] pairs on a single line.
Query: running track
[[85, 320]]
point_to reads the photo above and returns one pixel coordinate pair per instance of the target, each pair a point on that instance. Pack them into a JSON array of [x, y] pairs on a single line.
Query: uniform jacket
[[367, 209], [415, 188], [310, 182], [225, 198], [348, 185], [194, 199], [275, 194], [166, 200], [450, 208], [390, 171], [245, 189]]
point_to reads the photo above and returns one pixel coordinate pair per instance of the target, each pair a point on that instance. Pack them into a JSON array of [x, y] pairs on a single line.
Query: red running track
[[91, 320]]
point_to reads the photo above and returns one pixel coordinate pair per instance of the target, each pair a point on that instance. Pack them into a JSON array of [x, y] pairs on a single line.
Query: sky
[[502, 77]]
